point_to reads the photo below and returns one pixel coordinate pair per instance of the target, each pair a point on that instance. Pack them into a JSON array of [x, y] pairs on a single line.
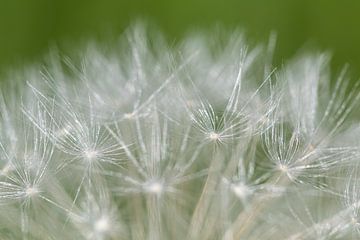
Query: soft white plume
[[200, 140]]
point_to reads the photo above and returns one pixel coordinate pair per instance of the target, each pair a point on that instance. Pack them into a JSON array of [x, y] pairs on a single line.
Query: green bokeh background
[[28, 28]]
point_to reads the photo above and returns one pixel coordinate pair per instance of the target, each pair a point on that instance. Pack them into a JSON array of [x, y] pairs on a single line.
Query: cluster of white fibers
[[201, 140]]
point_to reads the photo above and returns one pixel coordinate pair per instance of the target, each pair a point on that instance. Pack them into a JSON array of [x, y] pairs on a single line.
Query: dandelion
[[185, 141]]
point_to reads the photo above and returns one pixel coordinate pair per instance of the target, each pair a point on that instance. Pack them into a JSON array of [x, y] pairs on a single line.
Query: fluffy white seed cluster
[[202, 140]]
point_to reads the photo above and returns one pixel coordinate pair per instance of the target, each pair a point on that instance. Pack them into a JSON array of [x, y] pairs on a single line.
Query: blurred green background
[[28, 28]]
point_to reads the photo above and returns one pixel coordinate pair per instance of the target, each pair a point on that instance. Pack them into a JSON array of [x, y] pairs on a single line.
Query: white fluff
[[193, 141]]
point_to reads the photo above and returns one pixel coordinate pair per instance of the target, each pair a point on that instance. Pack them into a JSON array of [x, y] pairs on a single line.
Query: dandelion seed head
[[154, 187], [31, 191], [129, 116], [214, 136], [241, 190], [91, 154], [102, 225], [283, 168], [132, 157]]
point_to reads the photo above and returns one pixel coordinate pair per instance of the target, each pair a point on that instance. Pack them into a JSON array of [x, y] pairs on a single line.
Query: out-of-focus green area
[[29, 27]]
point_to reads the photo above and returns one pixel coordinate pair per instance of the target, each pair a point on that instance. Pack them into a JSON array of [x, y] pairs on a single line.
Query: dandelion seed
[[283, 168], [31, 191], [90, 154], [102, 225], [155, 187], [214, 136], [241, 190], [129, 115]]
